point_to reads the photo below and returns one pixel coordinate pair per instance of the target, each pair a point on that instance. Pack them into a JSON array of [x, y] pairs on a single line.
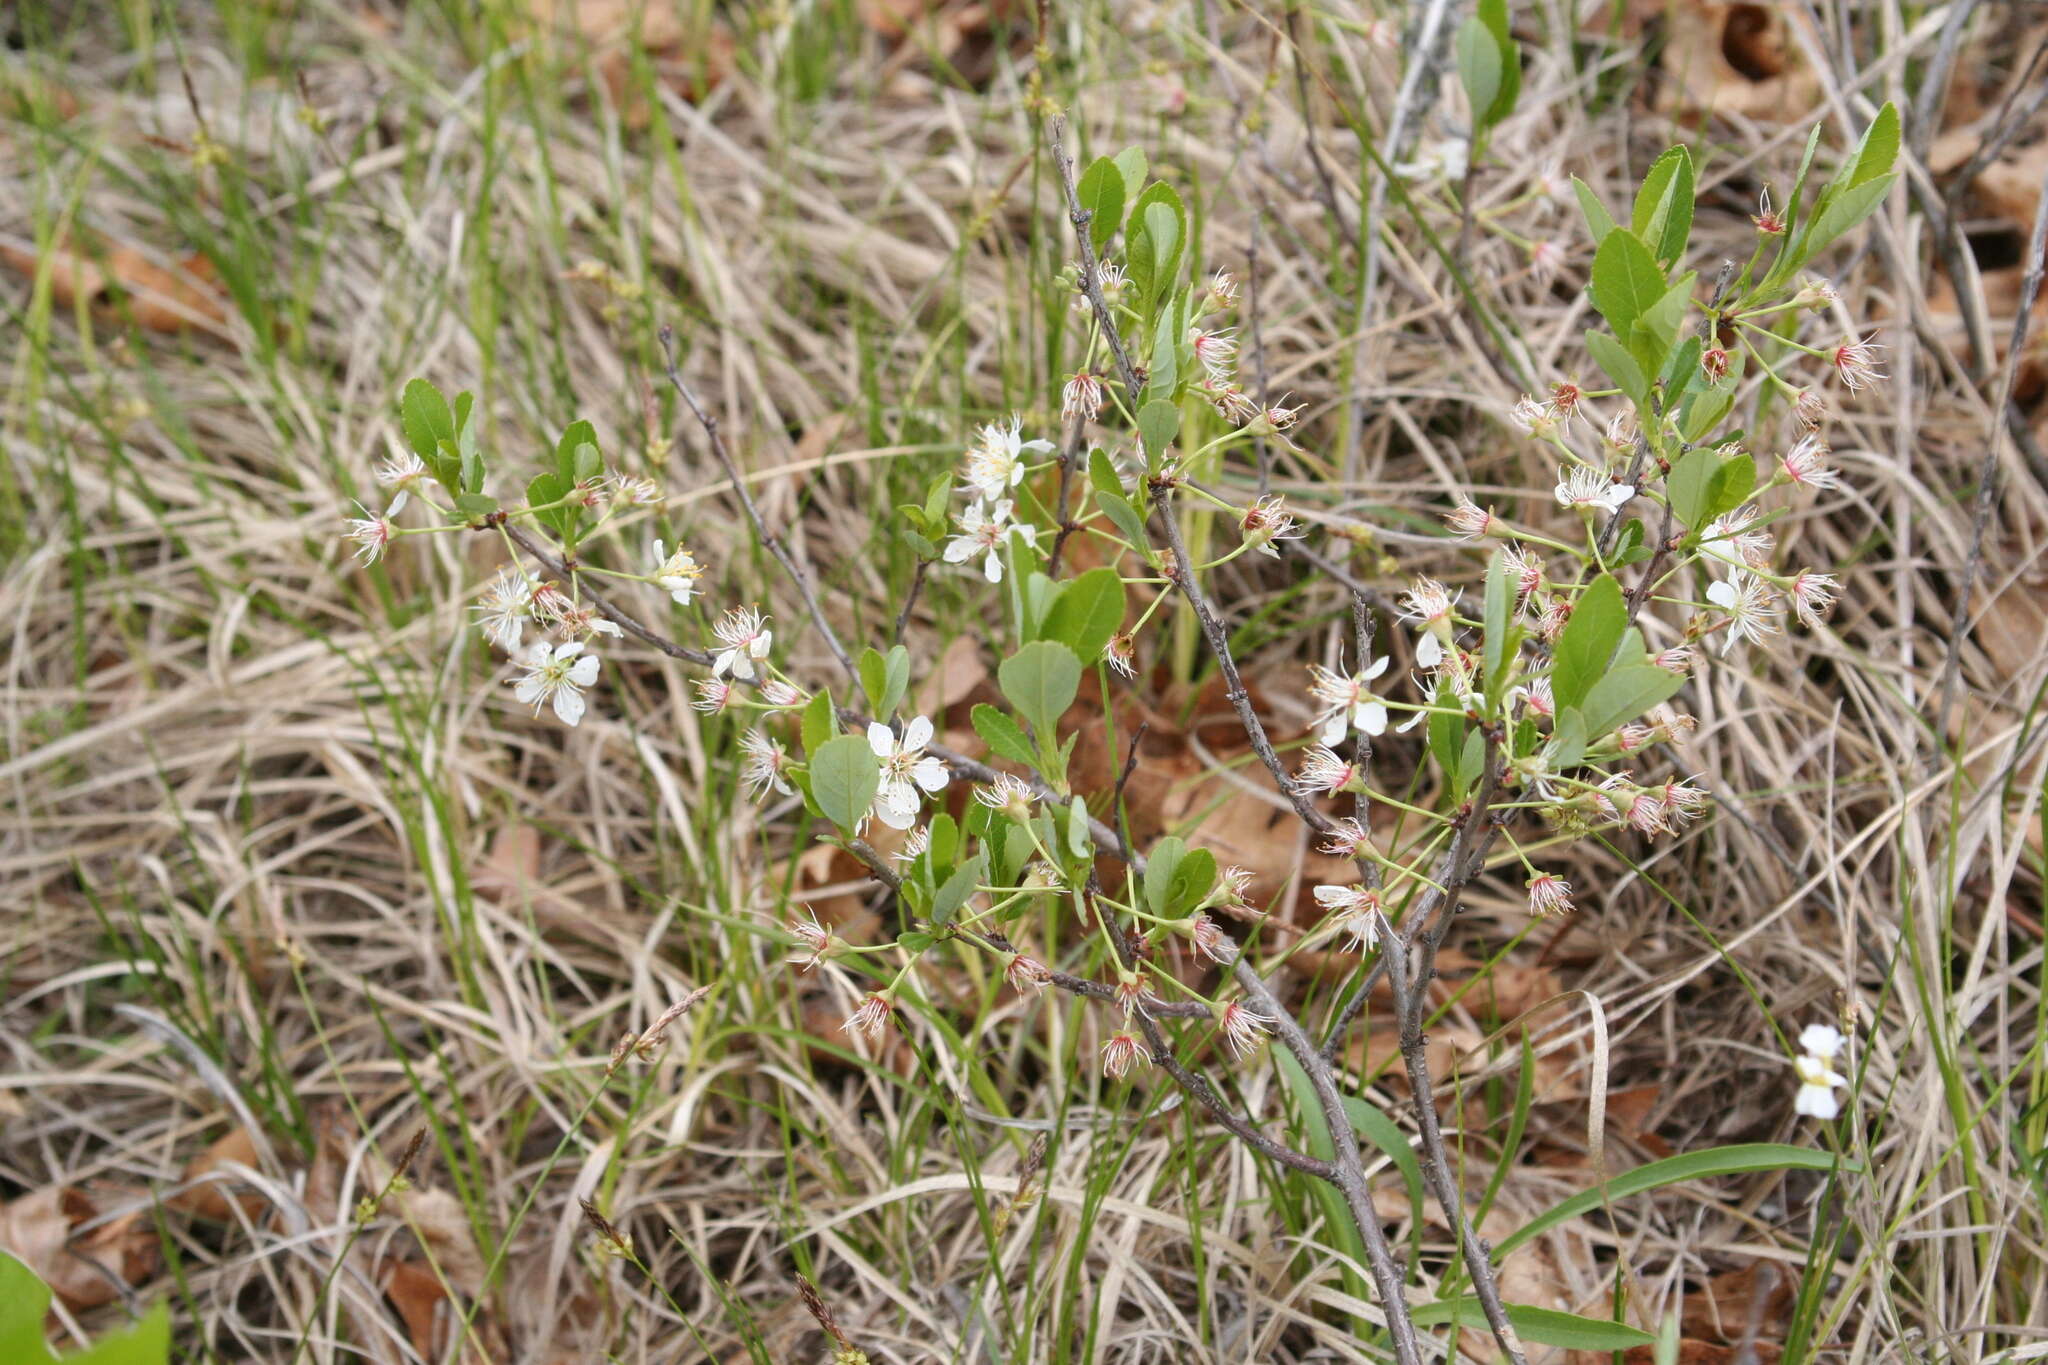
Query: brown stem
[[1091, 273]]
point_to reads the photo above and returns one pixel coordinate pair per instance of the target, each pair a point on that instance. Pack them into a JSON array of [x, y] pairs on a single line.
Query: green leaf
[[915, 941], [1158, 424], [1101, 192], [896, 680], [957, 888], [1192, 881], [1545, 1326], [1003, 736], [1625, 693], [424, 415], [1088, 611], [1316, 1137], [475, 506], [1162, 382], [1662, 215], [820, 722], [1689, 486], [1478, 67], [1126, 518], [1704, 411], [1587, 643], [1599, 222], [1878, 151], [1499, 605], [845, 775], [1494, 14], [1704, 485], [1841, 212], [1447, 742], [1131, 162], [1630, 548], [1676, 1170], [1160, 865], [1153, 243], [1385, 1134], [1080, 839], [874, 679], [1611, 356], [1626, 281], [1569, 734], [579, 433], [542, 491], [1664, 317], [944, 843], [24, 1299], [1037, 592], [1102, 475]]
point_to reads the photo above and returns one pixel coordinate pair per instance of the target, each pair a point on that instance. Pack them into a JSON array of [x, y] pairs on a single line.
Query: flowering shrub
[[1542, 692]]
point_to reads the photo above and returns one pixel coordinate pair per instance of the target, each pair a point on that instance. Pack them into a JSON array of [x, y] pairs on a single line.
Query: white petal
[[584, 671], [882, 740], [992, 567], [529, 689], [1379, 666], [1722, 595], [568, 705], [568, 649], [917, 733], [1816, 1101], [397, 503], [660, 556], [1332, 731], [1409, 724], [930, 774], [721, 662], [1429, 651], [959, 550], [1823, 1040], [1370, 717], [539, 654]]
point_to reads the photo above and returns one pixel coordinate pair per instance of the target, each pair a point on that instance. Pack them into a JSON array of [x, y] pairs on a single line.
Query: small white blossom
[[401, 472], [1355, 910], [504, 609], [1817, 1085], [1267, 521], [1585, 487], [762, 763], [371, 534], [1822, 1040], [905, 768], [995, 463], [1243, 1028], [676, 574], [1428, 604], [983, 532], [1346, 703], [1806, 464], [1731, 540], [1322, 771], [557, 673], [1812, 595], [1753, 606], [744, 641]]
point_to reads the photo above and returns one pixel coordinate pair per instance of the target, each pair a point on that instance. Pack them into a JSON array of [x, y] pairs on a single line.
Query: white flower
[[1346, 704], [557, 673], [995, 463], [982, 532], [762, 762], [1428, 605], [1806, 463], [371, 534], [676, 574], [1730, 540], [1812, 594], [1356, 911], [401, 472], [1817, 1085], [741, 632], [505, 606], [1266, 521], [1322, 771], [1585, 487], [1822, 1040], [905, 768], [1753, 608]]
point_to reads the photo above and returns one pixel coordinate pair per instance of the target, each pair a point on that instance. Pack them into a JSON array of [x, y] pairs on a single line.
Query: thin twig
[[924, 567], [1091, 271], [739, 486], [1070, 457]]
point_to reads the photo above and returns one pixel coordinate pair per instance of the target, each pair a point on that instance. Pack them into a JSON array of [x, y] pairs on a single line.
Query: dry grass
[[282, 859]]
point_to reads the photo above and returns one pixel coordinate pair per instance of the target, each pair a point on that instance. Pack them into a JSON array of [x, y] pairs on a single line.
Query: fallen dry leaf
[[214, 1198], [160, 299], [1727, 57], [85, 1266]]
